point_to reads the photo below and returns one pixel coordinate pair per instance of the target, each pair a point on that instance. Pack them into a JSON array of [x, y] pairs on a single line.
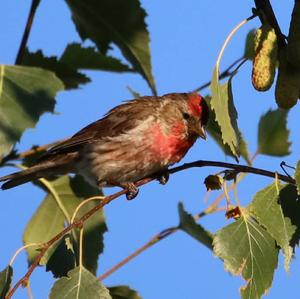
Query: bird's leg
[[132, 190], [163, 177]]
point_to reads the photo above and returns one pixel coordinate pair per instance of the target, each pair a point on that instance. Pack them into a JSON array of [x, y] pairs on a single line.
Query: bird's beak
[[201, 132]]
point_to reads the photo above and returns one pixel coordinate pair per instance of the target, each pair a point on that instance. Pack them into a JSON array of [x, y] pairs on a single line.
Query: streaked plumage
[[134, 140]]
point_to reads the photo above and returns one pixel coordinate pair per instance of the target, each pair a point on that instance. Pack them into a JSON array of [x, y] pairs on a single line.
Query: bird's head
[[195, 114]]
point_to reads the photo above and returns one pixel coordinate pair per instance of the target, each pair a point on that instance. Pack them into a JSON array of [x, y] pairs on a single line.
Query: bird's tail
[[22, 177]]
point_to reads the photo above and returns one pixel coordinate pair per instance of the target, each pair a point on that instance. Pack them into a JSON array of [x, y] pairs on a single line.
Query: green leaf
[[119, 22], [123, 292], [195, 230], [225, 112], [80, 284], [50, 220], [250, 251], [67, 73], [273, 134], [290, 204], [249, 45], [25, 94], [5, 281], [63, 258], [214, 131], [267, 210], [134, 93], [297, 177], [89, 58]]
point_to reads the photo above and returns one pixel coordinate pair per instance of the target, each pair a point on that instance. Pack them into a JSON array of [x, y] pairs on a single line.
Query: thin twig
[[158, 237], [226, 73], [106, 200], [33, 8]]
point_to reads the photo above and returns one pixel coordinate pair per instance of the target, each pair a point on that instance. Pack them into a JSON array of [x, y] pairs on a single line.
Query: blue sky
[[185, 39]]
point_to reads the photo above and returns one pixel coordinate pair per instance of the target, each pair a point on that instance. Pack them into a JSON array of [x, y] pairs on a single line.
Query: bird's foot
[[132, 190], [163, 178]]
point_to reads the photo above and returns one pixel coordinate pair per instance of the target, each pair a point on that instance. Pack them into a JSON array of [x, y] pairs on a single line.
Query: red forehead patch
[[194, 104]]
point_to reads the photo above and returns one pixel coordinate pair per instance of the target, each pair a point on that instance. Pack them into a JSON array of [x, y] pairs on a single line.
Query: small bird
[[135, 140]]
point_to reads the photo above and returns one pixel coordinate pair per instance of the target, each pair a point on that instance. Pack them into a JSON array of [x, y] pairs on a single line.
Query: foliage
[[249, 246]]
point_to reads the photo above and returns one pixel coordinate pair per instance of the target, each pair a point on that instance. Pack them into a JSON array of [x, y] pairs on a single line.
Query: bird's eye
[[186, 116]]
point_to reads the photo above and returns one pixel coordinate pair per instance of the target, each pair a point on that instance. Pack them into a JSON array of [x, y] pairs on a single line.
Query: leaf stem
[[226, 73], [57, 198], [33, 8], [228, 38]]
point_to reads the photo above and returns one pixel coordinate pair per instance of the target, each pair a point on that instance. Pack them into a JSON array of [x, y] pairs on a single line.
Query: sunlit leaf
[[189, 225], [123, 292], [25, 94], [119, 22], [297, 176], [267, 209], [225, 112], [250, 251], [214, 131], [273, 135], [80, 284], [5, 281]]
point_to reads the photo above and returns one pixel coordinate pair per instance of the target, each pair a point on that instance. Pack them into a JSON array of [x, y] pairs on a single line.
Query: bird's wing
[[119, 120]]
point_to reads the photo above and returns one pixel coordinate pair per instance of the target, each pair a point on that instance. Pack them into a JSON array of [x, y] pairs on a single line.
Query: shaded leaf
[[225, 112], [249, 45], [123, 292], [290, 205], [50, 220], [250, 251], [189, 225], [67, 73], [89, 58], [80, 284], [61, 253], [273, 133], [25, 94], [5, 281], [267, 209], [119, 22], [297, 177], [213, 182]]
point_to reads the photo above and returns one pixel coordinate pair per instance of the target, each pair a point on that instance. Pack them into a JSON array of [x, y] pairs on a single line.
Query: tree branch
[[106, 200], [265, 7], [33, 8]]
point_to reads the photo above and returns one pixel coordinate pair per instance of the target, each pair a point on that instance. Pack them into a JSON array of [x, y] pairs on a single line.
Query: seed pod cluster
[[293, 49], [287, 89], [288, 83], [265, 58]]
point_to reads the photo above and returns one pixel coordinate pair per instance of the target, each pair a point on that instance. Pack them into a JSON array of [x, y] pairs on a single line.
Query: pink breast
[[170, 148]]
